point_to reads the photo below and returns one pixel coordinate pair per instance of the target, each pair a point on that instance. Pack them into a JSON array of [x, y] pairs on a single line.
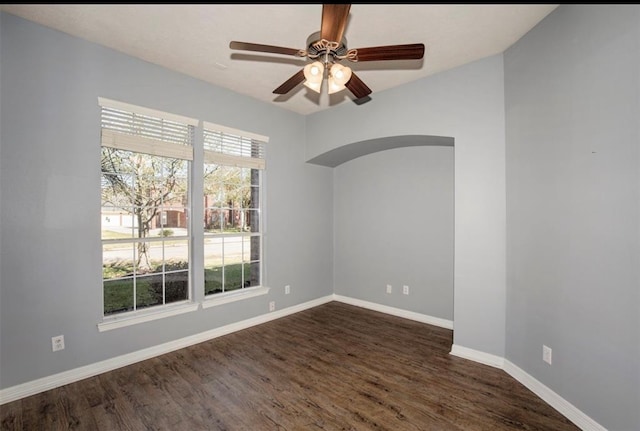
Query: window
[[232, 184], [145, 186]]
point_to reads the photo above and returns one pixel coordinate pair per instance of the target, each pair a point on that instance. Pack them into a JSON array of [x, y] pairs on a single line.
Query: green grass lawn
[[118, 295], [118, 285], [232, 277]]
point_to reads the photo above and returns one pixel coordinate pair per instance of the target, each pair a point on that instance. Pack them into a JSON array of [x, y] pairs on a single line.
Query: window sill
[[225, 298], [110, 323]]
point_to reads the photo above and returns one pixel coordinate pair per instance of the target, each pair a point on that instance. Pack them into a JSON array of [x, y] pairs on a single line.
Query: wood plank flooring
[[333, 367]]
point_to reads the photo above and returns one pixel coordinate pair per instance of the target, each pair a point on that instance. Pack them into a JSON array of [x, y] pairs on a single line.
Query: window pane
[[212, 265], [117, 260], [232, 262], [144, 221], [149, 258], [246, 249], [176, 286], [254, 246], [117, 161], [116, 189], [229, 195], [251, 259], [172, 168], [212, 220], [148, 290], [178, 196], [233, 269], [176, 255], [212, 180], [118, 295], [234, 220], [213, 280], [233, 277], [252, 274], [255, 177], [117, 222], [252, 221], [255, 197], [176, 188], [245, 175], [233, 250], [171, 221], [228, 174]]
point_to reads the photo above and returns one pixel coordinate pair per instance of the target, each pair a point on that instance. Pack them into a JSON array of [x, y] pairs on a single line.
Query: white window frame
[[239, 155], [150, 146], [150, 141]]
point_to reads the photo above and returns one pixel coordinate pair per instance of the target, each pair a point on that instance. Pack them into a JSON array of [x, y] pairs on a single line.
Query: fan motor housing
[[316, 48]]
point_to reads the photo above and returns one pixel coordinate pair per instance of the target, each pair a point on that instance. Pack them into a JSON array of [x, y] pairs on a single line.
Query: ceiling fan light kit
[[339, 75], [314, 74], [326, 49]]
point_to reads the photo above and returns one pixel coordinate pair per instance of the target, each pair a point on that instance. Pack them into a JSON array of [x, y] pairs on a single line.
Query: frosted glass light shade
[[339, 75], [314, 73], [315, 86]]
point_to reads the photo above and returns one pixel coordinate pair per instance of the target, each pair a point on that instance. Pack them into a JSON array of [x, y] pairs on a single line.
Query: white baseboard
[[411, 315], [563, 406], [50, 382], [477, 356], [550, 397]]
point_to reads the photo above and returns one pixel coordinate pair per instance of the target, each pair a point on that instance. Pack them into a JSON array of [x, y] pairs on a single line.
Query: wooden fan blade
[[334, 20], [357, 87], [246, 46], [290, 83], [414, 51]]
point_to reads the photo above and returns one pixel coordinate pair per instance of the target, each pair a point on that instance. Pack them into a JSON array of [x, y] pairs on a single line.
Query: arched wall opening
[[466, 103], [394, 224]]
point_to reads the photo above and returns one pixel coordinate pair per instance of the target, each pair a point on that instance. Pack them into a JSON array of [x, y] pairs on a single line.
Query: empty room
[[320, 217]]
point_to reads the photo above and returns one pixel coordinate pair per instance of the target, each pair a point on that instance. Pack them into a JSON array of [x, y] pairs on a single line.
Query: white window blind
[[143, 130], [227, 146]]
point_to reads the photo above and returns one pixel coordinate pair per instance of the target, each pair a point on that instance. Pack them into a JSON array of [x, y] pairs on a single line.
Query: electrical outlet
[[546, 354], [287, 289], [405, 289], [57, 343], [272, 305], [389, 288]]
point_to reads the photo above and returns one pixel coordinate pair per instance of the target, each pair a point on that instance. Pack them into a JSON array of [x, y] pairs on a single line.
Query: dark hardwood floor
[[333, 367]]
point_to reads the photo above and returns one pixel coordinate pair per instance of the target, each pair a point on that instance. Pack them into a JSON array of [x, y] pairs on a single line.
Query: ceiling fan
[[327, 48]]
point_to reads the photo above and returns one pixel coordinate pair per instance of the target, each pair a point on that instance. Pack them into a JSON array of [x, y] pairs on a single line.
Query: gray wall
[[571, 225], [467, 104], [51, 265], [572, 89], [393, 224]]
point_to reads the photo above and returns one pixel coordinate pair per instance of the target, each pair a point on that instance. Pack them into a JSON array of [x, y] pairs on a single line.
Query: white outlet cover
[[287, 289], [389, 288], [57, 343], [272, 306], [405, 289]]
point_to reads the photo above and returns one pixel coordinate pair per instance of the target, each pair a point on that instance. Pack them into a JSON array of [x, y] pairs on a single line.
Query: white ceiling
[[194, 39]]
